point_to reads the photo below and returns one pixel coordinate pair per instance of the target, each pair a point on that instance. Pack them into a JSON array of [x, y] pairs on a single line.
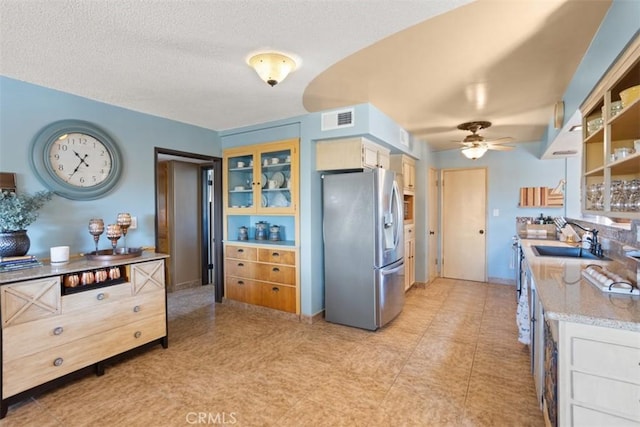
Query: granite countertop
[[74, 265], [567, 296]]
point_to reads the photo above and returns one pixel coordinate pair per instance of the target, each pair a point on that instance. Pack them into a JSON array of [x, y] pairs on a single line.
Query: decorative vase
[[14, 243]]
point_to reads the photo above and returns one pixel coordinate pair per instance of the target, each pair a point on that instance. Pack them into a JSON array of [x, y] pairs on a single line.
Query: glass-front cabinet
[[261, 179], [611, 141]]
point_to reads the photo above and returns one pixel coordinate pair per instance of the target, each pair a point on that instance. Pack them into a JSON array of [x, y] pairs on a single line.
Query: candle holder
[[96, 228], [124, 221], [114, 232]]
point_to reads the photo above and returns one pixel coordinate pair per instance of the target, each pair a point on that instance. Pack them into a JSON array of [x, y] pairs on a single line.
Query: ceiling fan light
[[272, 67], [474, 153]]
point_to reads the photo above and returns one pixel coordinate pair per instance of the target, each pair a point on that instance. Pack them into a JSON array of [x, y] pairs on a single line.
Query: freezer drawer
[[389, 292]]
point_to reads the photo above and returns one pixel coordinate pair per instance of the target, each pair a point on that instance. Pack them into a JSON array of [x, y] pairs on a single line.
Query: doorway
[[188, 220], [464, 201], [432, 200]]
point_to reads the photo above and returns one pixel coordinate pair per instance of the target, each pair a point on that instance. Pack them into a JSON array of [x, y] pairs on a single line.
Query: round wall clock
[[76, 159]]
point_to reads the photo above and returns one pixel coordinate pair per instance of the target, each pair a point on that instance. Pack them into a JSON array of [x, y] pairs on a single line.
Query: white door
[[464, 200], [432, 257]]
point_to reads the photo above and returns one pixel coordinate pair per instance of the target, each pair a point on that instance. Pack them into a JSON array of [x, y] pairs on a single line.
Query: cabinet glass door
[[240, 182], [275, 179]]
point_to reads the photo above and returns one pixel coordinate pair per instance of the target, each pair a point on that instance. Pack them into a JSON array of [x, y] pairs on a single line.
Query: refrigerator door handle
[[396, 209]]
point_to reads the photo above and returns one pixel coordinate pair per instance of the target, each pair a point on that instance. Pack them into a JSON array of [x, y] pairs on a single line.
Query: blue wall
[[27, 108]]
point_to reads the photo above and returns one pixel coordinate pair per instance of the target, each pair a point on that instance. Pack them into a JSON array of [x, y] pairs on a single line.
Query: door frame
[[206, 162]]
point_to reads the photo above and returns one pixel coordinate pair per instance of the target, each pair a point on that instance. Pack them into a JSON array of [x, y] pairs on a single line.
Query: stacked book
[[10, 263]]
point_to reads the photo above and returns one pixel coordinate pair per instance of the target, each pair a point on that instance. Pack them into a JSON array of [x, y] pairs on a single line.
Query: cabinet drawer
[[620, 397], [277, 256], [28, 338], [243, 290], [606, 359], [32, 370], [279, 297], [240, 268], [95, 297], [590, 417], [242, 252], [31, 300], [409, 232], [276, 273], [147, 276]]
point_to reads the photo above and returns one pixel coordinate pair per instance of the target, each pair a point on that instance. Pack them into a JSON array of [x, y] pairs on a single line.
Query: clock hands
[[82, 160]]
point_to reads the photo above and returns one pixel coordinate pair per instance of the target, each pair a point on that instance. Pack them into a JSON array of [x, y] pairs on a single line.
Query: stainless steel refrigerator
[[363, 248]]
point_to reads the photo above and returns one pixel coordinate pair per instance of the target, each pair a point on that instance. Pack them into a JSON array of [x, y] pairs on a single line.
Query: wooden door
[[464, 194], [432, 225]]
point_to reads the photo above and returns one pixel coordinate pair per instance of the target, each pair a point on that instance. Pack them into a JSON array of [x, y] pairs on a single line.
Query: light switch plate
[[496, 212], [134, 223]]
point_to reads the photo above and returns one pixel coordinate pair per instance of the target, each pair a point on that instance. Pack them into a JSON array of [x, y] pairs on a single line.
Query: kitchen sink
[[566, 252]]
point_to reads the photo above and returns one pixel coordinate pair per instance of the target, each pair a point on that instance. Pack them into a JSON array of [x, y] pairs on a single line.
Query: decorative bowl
[[629, 95]]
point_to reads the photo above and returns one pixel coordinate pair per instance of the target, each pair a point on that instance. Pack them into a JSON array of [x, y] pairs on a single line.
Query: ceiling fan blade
[[500, 147], [499, 140]]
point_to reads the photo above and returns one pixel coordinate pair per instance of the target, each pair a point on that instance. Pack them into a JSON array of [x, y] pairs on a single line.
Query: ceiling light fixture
[[272, 67], [474, 152]]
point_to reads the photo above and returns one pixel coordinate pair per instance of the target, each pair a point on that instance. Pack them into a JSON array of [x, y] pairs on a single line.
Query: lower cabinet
[[599, 376], [47, 334], [262, 276], [409, 256]]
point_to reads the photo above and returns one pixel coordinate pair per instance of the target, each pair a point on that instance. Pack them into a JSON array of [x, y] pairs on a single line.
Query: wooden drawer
[[619, 397], [28, 338], [279, 297], [276, 273], [243, 290], [607, 359], [242, 252], [30, 300], [95, 298], [30, 371], [147, 276], [240, 268], [277, 256], [409, 232]]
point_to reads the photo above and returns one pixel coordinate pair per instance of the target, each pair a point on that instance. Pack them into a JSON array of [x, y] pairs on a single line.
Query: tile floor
[[451, 358]]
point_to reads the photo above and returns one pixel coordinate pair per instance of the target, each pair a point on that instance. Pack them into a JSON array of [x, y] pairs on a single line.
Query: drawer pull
[[58, 330], [240, 282], [240, 250], [275, 254], [275, 289], [275, 270], [58, 361], [240, 264], [136, 309], [138, 334], [100, 296]]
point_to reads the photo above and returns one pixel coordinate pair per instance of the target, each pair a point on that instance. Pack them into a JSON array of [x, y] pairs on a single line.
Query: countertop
[[567, 296], [74, 265]]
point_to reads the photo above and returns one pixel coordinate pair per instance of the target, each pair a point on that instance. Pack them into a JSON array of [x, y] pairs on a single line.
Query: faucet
[[595, 247]]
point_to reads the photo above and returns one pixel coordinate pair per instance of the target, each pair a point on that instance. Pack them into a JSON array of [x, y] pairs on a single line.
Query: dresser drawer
[[95, 297], [244, 290], [31, 300], [277, 256], [279, 297], [32, 370], [242, 252], [28, 338], [276, 273], [240, 268]]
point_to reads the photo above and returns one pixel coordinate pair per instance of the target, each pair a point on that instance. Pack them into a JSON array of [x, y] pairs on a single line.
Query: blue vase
[[14, 243]]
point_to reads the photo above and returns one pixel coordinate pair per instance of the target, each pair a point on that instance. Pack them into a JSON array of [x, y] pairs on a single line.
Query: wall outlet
[[134, 223], [496, 212]]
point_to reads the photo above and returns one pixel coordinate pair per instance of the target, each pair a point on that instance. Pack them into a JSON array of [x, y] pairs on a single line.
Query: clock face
[[76, 159], [80, 160]]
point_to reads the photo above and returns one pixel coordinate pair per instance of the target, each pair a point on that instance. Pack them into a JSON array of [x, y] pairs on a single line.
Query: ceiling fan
[[476, 145]]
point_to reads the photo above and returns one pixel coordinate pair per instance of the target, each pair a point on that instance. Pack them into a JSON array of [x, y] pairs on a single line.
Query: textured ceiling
[[428, 64]]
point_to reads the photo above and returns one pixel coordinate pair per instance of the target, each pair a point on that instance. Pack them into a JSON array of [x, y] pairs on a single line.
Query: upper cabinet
[[611, 138], [262, 178], [406, 166], [350, 153]]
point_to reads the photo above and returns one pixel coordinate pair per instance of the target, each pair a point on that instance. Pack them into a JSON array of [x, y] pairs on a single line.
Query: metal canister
[[243, 233], [261, 230], [274, 232]]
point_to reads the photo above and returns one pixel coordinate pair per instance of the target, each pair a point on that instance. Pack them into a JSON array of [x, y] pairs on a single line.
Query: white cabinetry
[[350, 153], [599, 376]]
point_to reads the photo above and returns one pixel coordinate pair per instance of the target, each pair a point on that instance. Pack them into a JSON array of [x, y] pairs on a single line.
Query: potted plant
[[17, 212]]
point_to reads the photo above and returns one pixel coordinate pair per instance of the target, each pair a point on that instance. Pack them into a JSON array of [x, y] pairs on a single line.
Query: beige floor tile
[[435, 364]]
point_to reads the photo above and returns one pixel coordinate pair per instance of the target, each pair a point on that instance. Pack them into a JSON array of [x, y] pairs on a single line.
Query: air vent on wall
[[337, 119]]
